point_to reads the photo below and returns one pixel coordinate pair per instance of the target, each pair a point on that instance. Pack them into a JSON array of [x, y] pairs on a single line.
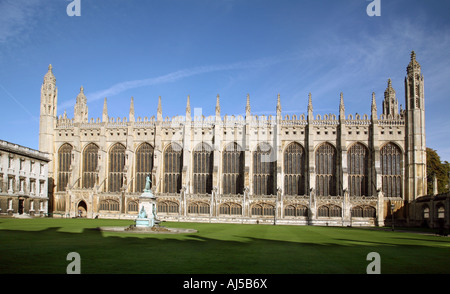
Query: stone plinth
[[147, 208]]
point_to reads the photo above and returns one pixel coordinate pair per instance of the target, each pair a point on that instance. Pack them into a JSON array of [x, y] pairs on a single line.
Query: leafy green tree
[[438, 168]]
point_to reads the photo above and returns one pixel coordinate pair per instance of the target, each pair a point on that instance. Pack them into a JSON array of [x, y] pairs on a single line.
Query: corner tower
[[415, 165], [47, 120]]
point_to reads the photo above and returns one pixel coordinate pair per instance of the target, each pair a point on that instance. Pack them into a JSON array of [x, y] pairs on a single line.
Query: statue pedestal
[[147, 208], [144, 222]]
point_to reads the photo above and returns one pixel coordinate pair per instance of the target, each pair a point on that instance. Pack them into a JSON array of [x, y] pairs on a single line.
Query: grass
[[41, 246]]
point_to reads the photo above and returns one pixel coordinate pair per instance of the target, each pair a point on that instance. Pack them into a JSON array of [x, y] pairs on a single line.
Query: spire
[[374, 102], [414, 84], [81, 109], [49, 94], [278, 105], [49, 77], [218, 105], [188, 108], [373, 107], [159, 111], [342, 107], [390, 102], [105, 117], [413, 65], [389, 89], [81, 97], [131, 115], [310, 107], [247, 107], [48, 114]]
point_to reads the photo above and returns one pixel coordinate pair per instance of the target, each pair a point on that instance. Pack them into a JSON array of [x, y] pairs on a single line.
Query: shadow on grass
[[46, 251]]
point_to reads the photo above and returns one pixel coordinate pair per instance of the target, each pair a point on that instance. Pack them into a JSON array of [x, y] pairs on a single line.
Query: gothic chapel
[[302, 169]]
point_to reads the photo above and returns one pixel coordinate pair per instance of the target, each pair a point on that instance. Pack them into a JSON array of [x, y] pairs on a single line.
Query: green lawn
[[41, 246]]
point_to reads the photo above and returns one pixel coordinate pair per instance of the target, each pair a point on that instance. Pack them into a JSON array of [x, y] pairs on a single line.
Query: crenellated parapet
[[263, 120], [63, 122], [357, 120], [326, 120], [233, 121], [294, 120], [145, 122], [391, 120]]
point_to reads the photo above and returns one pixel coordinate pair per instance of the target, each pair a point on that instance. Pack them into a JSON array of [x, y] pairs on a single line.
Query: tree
[[438, 168]]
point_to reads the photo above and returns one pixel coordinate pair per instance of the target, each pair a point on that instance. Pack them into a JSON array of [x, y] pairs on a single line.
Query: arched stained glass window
[[109, 205], [230, 209], [335, 211], [203, 168], [358, 158], [323, 211], [391, 172], [90, 165], [144, 165], [264, 170], [294, 170], [329, 211], [369, 211], [116, 167], [326, 170], [133, 206], [198, 208], [296, 210], [64, 161], [233, 169], [168, 207], [357, 211], [363, 211], [263, 209], [173, 164]]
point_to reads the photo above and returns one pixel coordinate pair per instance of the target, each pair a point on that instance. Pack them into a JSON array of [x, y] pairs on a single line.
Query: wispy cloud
[[175, 76], [15, 100], [371, 55], [15, 18]]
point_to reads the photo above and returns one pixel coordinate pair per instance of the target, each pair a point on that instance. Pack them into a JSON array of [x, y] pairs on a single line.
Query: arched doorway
[[82, 209]]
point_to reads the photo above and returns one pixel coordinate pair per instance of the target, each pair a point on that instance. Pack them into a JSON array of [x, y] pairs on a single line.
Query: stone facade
[[302, 169], [23, 180], [431, 211]]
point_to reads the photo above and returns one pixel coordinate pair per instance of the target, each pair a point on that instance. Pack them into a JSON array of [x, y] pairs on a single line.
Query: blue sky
[[175, 48]]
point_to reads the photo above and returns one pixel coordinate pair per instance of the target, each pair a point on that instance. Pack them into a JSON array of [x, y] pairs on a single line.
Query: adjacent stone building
[[23, 180], [431, 211], [330, 169]]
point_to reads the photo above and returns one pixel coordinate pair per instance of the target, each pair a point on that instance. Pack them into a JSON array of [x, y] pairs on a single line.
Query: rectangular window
[[21, 185], [32, 186], [10, 184]]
